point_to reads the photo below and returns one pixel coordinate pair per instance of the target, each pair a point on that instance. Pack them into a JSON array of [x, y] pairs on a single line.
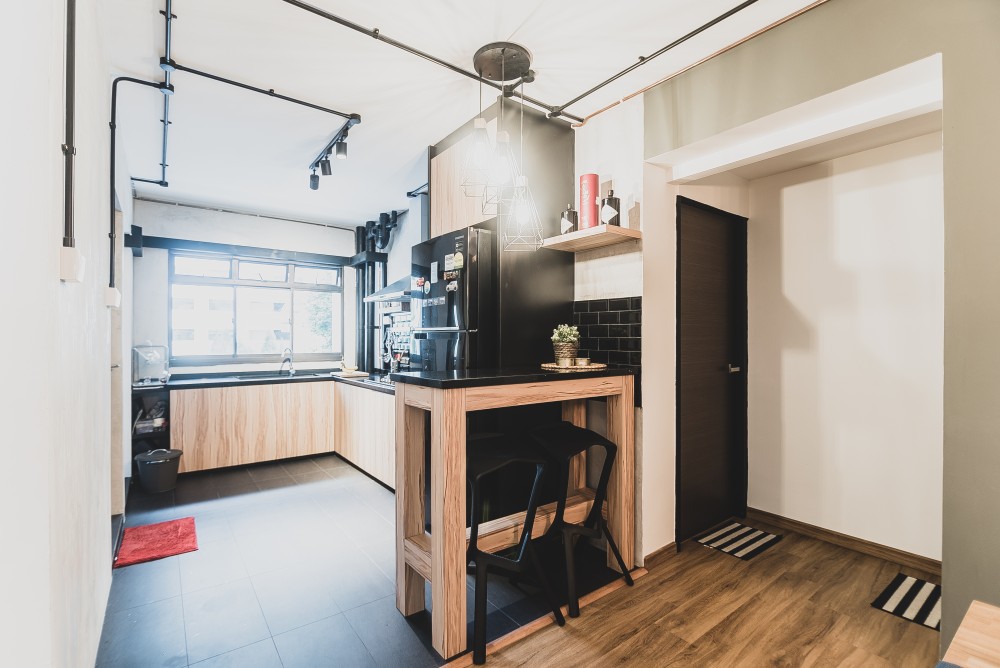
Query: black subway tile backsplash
[[598, 305], [618, 305], [618, 330], [611, 333]]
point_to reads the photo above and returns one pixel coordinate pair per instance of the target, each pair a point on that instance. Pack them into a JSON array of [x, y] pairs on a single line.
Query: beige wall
[[845, 293], [833, 46]]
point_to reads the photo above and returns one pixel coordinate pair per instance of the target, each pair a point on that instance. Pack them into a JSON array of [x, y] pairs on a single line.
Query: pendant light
[[476, 167], [506, 193]]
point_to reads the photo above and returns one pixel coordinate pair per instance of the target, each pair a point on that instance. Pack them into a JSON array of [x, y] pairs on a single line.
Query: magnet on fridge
[[458, 261]]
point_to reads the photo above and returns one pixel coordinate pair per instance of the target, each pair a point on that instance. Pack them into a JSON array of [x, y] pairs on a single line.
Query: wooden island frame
[[440, 557]]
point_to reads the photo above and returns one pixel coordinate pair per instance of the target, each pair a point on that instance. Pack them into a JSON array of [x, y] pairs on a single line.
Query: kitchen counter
[[448, 380], [233, 380]]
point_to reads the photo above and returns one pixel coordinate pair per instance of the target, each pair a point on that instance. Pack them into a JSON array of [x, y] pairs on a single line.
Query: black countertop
[[232, 380], [447, 380]]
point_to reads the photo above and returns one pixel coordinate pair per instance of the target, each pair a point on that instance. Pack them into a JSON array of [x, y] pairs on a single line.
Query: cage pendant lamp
[[517, 218]]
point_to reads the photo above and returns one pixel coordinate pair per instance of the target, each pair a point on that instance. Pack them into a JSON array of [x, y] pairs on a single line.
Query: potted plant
[[565, 341]]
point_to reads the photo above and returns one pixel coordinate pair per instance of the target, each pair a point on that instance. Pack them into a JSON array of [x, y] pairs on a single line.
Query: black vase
[[611, 208]]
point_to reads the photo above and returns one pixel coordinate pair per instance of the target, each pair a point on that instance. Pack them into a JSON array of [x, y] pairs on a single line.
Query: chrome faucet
[[286, 357]]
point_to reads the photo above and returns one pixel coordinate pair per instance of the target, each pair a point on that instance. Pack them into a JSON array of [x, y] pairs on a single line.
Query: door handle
[[734, 369]]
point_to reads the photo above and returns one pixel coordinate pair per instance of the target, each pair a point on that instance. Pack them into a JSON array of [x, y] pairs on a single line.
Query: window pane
[[317, 276], [201, 266], [263, 320], [256, 271], [317, 322], [201, 320]]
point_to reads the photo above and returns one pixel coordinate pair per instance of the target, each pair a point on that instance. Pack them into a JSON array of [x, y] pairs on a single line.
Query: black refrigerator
[[476, 306]]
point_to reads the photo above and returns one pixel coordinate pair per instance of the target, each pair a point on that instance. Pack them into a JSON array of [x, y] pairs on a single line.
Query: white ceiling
[[238, 150]]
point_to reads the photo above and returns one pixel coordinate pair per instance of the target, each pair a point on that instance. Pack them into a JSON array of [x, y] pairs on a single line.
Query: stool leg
[[573, 602], [618, 555], [479, 625], [546, 589]]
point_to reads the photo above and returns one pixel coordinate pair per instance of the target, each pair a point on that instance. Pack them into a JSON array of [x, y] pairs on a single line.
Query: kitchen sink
[[269, 375]]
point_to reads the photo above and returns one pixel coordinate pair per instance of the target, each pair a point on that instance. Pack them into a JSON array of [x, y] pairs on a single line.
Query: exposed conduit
[[695, 64], [68, 147]]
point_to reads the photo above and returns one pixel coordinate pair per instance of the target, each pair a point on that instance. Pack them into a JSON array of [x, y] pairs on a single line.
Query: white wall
[[610, 146], [55, 413], [149, 322], [846, 321], [407, 234]]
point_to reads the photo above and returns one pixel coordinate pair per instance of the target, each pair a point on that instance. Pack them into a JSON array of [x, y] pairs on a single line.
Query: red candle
[[588, 201]]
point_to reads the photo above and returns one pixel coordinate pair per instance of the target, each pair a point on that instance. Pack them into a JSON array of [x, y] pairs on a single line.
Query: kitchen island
[[440, 556]]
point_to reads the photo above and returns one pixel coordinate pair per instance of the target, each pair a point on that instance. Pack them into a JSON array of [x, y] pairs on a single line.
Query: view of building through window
[[234, 309]]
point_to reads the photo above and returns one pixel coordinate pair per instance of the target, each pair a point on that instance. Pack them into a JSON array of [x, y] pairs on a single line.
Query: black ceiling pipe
[[376, 34], [645, 59], [68, 147]]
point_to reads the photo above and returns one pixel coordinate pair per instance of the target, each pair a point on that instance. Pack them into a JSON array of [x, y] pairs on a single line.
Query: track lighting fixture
[[337, 146]]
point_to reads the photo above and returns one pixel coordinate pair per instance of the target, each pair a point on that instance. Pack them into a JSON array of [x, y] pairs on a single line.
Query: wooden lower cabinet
[[365, 428], [244, 424]]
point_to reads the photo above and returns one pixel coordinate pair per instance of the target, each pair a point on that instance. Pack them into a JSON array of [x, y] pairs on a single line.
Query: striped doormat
[[912, 599], [739, 540]]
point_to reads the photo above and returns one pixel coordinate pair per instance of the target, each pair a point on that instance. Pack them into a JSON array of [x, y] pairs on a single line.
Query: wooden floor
[[803, 602]]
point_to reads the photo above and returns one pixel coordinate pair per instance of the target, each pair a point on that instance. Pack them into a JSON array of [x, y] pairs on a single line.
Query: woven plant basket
[[565, 350]]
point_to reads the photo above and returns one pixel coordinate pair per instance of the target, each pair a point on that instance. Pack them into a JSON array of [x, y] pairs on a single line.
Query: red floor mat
[[156, 541]]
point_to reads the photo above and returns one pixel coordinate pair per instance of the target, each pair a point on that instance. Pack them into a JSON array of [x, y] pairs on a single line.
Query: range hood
[[398, 291]]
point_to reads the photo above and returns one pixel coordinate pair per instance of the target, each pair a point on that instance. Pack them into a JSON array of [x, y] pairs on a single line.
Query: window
[[232, 309]]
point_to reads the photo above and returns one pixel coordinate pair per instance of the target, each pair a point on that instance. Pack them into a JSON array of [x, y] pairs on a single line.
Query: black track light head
[[314, 181], [340, 149], [324, 167]]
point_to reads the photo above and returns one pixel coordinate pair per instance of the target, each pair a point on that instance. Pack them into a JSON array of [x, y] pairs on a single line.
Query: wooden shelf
[[592, 237]]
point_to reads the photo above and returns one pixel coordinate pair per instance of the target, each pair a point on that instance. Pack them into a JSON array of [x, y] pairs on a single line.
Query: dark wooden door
[[711, 367]]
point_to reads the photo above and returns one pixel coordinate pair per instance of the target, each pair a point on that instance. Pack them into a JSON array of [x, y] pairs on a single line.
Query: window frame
[[234, 282]]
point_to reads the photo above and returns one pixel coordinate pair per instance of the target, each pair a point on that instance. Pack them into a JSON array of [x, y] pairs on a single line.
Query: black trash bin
[[158, 469]]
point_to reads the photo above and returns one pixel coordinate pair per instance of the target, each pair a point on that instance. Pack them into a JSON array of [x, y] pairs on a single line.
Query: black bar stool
[[488, 454], [562, 442]]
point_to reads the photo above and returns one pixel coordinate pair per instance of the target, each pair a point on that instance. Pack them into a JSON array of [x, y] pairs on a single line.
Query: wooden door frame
[[744, 354]]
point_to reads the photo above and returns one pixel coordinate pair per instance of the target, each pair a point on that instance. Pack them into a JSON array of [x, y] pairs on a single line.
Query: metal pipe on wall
[[68, 147], [113, 163]]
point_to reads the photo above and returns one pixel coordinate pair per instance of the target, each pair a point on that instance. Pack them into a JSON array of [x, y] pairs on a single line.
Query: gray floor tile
[[355, 579], [317, 476], [221, 619], [213, 563], [389, 637], [299, 466], [293, 597], [329, 461], [329, 642], [267, 471], [149, 636], [140, 584], [258, 655]]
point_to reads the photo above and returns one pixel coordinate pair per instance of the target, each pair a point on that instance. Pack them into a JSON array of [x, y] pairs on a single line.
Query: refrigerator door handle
[[437, 329]]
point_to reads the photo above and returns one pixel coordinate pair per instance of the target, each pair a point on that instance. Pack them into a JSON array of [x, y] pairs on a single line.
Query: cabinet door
[[309, 419], [256, 414], [203, 427], [384, 439], [450, 208]]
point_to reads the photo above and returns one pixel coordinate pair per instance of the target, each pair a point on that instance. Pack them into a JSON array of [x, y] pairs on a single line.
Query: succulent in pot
[[565, 341]]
